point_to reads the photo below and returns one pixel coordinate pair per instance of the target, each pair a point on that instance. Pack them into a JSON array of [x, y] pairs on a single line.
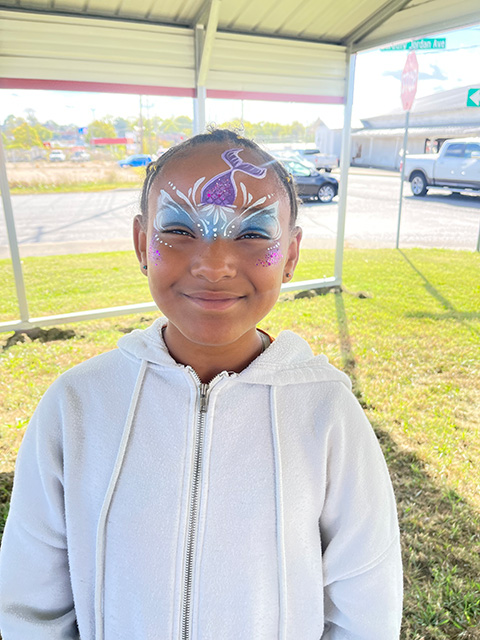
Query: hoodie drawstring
[[102, 522], [282, 578]]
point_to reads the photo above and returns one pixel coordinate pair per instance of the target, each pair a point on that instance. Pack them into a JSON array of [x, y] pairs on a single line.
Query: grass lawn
[[406, 329]]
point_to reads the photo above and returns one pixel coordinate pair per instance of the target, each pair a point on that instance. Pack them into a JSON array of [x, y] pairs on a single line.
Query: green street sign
[[473, 98], [419, 45]]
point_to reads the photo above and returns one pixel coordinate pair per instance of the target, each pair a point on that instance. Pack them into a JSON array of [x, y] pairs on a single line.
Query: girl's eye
[[179, 231], [254, 234]]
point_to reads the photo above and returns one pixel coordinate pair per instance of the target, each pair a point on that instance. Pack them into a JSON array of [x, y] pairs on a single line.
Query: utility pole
[[140, 125]]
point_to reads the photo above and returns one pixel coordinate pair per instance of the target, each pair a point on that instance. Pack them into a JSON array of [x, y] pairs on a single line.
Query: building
[[433, 119]]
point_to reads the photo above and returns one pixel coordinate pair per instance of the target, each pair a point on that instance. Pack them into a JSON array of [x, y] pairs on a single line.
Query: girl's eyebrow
[[168, 214], [259, 211], [265, 218]]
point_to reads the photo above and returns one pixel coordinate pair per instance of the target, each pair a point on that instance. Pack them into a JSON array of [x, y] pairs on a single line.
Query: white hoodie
[[141, 511]]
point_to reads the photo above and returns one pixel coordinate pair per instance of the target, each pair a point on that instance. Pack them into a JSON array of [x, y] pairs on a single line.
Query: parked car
[[137, 160], [320, 160], [57, 155], [456, 167], [310, 182], [80, 156]]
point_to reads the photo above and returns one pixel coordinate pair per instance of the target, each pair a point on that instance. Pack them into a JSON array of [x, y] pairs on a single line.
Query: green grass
[[406, 329]]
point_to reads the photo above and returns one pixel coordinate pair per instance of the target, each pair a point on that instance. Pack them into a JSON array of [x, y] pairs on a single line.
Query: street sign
[[419, 45], [409, 81], [473, 98]]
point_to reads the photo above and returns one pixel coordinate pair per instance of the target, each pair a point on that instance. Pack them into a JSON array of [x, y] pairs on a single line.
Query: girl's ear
[[293, 254], [140, 241]]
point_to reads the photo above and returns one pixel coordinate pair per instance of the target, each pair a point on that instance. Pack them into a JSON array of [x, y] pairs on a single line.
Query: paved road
[[441, 219], [79, 222]]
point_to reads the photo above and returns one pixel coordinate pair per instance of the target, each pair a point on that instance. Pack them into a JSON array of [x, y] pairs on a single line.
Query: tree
[[31, 117], [43, 133], [10, 123], [25, 137], [100, 129], [122, 125]]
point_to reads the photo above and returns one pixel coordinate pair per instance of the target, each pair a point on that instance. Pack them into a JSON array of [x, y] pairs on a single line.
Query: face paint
[[273, 256], [214, 214], [223, 222], [222, 190], [153, 250]]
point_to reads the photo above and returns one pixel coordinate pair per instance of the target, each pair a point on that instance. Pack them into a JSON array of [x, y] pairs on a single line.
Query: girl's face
[[218, 243]]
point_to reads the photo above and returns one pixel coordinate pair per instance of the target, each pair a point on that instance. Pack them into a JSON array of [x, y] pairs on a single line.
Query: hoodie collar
[[288, 360]]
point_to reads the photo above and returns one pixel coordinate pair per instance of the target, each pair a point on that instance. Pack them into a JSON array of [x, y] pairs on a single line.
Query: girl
[[204, 481]]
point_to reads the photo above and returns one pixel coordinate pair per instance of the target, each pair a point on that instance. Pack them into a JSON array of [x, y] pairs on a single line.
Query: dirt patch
[[42, 335]]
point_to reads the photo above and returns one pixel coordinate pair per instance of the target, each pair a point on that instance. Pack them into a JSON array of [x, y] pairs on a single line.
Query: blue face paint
[[209, 222]]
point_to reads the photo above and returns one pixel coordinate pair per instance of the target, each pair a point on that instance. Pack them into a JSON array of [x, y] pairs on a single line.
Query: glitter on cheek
[[272, 256], [153, 250]]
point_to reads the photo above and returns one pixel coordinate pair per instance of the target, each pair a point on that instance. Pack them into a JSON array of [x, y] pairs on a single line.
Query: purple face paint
[[153, 250], [273, 256], [221, 189]]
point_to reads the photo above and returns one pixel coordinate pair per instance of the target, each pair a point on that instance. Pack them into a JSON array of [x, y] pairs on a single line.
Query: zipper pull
[[203, 397]]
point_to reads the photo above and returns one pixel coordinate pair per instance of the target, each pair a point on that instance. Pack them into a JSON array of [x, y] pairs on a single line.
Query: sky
[[377, 91]]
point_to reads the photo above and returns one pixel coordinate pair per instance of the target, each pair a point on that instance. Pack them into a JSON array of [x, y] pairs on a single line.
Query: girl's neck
[[210, 360]]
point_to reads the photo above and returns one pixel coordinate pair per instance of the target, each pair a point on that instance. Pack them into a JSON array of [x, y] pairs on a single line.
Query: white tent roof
[[292, 50], [363, 23]]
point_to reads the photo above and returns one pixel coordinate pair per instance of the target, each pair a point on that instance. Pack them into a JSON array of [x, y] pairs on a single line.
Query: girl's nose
[[214, 261]]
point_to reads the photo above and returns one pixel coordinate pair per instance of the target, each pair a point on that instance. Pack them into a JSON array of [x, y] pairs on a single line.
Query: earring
[[288, 275], [145, 267]]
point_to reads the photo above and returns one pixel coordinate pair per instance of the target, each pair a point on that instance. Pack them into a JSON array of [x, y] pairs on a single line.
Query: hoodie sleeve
[[360, 536], [35, 592]]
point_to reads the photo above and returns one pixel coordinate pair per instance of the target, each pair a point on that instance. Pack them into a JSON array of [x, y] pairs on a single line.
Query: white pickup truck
[[456, 167], [324, 161]]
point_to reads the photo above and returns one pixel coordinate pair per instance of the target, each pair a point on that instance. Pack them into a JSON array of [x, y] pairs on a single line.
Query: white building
[[433, 119]]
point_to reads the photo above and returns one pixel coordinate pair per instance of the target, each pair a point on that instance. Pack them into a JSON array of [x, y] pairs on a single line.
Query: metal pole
[[478, 240], [12, 237], [402, 176], [344, 166], [199, 117]]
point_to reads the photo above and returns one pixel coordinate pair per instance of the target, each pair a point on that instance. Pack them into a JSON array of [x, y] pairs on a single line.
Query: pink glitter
[[153, 251], [273, 256]]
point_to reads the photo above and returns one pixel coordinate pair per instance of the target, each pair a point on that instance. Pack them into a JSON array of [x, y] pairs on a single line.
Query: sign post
[[407, 93]]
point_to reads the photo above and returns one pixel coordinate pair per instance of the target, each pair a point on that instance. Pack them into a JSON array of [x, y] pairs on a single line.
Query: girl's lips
[[213, 300]]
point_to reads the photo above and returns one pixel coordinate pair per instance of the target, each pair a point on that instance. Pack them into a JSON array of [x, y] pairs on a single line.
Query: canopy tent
[[285, 50]]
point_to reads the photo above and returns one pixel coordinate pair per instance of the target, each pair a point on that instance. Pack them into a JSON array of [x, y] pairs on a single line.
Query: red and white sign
[[100, 141], [409, 81]]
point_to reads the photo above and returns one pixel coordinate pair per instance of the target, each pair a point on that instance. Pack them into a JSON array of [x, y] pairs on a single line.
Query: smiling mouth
[[214, 300]]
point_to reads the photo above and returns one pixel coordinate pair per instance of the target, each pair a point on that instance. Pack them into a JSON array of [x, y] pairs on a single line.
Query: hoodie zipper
[[203, 393]]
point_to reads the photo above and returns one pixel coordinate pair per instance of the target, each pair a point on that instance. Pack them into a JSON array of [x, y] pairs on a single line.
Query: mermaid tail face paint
[[221, 189]]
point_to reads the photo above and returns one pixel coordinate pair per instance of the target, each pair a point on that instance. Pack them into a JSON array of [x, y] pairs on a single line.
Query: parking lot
[[50, 224]]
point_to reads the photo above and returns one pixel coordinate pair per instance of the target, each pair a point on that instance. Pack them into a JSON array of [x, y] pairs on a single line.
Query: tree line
[[150, 133]]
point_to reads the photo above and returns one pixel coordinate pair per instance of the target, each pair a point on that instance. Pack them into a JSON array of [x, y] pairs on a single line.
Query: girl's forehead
[[219, 175]]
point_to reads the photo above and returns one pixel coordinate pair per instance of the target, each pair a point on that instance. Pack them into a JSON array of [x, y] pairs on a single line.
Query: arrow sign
[[473, 98]]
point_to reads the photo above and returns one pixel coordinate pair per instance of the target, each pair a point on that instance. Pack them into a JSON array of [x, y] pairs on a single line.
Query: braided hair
[[212, 137]]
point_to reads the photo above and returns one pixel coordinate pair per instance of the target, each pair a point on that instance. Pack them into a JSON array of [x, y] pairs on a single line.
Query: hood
[[288, 360]]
